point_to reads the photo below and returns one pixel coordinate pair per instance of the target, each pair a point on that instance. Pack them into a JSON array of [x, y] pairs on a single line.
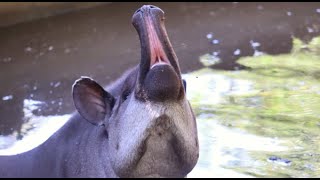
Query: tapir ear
[[91, 100]]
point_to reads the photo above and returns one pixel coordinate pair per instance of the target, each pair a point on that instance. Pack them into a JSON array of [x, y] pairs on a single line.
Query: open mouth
[[159, 74], [157, 53], [156, 48]]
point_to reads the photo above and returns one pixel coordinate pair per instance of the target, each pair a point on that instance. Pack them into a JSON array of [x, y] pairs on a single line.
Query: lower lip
[[158, 64]]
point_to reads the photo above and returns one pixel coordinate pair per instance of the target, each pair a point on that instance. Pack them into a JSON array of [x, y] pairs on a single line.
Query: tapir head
[[151, 127]]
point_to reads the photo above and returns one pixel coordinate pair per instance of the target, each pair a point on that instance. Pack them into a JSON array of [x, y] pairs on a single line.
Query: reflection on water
[[35, 130], [222, 146], [213, 87], [261, 122]]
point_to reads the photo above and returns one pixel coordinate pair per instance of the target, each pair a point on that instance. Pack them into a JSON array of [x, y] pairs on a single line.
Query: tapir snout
[[159, 77]]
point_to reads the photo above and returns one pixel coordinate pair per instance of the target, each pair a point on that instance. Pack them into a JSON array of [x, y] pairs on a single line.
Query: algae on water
[[279, 97]]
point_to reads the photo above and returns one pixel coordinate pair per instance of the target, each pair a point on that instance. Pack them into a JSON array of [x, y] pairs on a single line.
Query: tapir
[[141, 125]]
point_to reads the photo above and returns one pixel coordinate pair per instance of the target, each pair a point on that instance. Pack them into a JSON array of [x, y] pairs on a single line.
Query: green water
[[276, 103]]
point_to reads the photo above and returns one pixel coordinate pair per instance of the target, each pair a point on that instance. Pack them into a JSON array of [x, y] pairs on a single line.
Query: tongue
[[158, 56]]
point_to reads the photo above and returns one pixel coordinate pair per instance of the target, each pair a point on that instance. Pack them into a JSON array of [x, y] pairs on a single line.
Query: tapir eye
[[184, 85]]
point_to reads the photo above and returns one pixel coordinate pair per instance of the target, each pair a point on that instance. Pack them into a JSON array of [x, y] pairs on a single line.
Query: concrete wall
[[16, 12]]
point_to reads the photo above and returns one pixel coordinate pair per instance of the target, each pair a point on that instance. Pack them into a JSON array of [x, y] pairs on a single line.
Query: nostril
[[151, 6], [137, 11]]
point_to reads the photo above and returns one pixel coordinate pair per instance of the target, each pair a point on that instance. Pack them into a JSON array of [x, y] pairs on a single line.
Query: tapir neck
[[75, 150]]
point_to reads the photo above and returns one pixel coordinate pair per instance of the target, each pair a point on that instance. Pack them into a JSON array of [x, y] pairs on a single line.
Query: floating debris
[[209, 60], [237, 52], [50, 48], [41, 54], [260, 7], [212, 13], [28, 49], [254, 44], [57, 84], [215, 53], [67, 51], [215, 41], [7, 59], [310, 30], [310, 167], [278, 160], [289, 13], [318, 10], [209, 36], [6, 98], [257, 53]]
